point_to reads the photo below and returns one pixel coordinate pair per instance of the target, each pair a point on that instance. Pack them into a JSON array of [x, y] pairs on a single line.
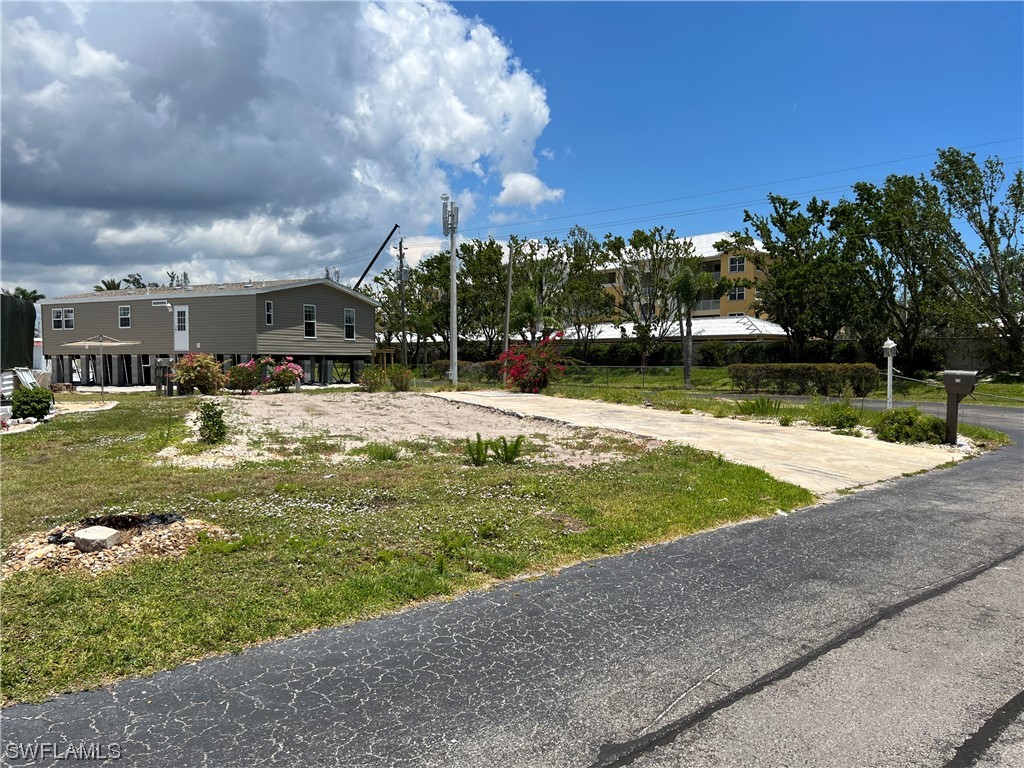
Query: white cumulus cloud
[[526, 189]]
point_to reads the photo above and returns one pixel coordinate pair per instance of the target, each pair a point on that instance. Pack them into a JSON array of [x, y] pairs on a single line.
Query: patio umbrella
[[101, 341]]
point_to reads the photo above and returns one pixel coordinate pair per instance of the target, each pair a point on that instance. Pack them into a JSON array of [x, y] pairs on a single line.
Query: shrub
[[506, 452], [531, 369], [785, 420], [491, 370], [30, 403], [374, 378], [838, 415], [400, 378], [802, 378], [245, 378], [762, 407], [714, 353], [284, 375], [909, 425], [439, 369], [212, 428], [198, 372]]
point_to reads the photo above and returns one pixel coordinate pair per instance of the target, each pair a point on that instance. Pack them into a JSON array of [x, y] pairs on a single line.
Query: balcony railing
[[706, 305]]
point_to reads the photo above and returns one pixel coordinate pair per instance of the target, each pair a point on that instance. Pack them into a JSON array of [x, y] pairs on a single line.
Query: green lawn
[[317, 544]]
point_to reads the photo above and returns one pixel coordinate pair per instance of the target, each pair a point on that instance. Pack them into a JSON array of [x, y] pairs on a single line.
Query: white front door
[[181, 328]]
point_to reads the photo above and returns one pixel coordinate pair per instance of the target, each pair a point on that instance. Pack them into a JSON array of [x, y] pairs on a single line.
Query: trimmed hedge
[[805, 378]]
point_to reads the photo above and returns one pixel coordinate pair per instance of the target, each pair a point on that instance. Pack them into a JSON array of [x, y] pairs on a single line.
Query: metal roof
[[212, 289]]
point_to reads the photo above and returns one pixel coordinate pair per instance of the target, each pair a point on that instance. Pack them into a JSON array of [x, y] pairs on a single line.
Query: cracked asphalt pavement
[[883, 629]]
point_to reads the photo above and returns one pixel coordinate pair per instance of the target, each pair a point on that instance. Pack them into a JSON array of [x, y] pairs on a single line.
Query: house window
[[270, 313], [57, 318], [181, 320], [350, 324], [735, 314], [124, 316], [737, 294], [737, 263], [69, 318], [309, 319]]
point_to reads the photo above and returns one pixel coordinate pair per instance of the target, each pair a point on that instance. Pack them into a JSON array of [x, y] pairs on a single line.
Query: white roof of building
[[745, 327], [704, 245]]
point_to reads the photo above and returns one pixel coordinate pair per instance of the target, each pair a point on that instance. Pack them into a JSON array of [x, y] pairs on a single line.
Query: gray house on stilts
[[326, 327]]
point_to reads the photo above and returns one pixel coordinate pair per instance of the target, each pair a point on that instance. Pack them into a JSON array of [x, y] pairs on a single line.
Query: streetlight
[[449, 224], [889, 350]]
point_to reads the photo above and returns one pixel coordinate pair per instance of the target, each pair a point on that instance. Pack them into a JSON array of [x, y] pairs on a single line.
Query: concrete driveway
[[821, 462]]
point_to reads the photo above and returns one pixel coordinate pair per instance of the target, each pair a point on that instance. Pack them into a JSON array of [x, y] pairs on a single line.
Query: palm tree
[[108, 284], [687, 286], [26, 294]]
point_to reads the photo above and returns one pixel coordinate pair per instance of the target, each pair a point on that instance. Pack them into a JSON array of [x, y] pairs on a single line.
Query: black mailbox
[[959, 384]]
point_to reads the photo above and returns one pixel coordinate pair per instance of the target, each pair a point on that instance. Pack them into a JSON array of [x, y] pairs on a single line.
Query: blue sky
[[244, 141], [657, 101]]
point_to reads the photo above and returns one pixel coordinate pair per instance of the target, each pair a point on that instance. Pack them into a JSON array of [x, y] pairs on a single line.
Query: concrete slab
[[821, 462], [96, 537]]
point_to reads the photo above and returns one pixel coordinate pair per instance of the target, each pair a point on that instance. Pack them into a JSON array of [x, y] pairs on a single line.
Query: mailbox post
[[958, 385]]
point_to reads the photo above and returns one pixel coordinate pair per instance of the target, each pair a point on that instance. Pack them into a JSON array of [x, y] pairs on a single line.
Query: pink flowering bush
[[198, 372], [284, 375], [531, 369], [266, 373]]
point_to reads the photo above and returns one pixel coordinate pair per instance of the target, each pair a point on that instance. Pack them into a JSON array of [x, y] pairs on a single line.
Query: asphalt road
[[884, 629]]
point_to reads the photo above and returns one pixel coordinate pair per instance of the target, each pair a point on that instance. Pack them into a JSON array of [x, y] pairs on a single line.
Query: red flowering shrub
[[531, 369]]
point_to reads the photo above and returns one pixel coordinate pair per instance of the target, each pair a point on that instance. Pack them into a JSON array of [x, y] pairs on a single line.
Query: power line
[[742, 188]]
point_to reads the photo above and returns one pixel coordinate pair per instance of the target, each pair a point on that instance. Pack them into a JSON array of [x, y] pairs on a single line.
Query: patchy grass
[[317, 544], [1002, 391]]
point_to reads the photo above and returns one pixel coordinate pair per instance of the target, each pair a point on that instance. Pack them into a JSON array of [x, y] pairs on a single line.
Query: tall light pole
[[450, 223], [889, 350]]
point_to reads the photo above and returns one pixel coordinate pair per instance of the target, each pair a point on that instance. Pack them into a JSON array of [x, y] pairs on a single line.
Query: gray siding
[[286, 337], [150, 325], [218, 325]]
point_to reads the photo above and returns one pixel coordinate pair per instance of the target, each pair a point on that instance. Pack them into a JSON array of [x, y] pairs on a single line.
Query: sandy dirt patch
[[271, 426]]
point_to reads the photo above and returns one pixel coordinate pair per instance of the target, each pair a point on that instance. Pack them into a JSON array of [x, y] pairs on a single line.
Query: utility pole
[[450, 224], [508, 308], [401, 283]]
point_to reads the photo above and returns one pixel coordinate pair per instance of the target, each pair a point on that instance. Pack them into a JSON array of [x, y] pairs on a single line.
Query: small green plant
[[30, 403], [377, 452], [199, 372], [785, 420], [838, 415], [477, 451], [400, 378], [506, 452], [212, 427], [909, 425], [761, 407], [374, 378]]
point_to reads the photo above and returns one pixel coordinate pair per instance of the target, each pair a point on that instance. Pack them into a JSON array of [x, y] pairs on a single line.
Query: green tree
[[134, 280], [812, 286], [482, 281], [647, 264], [386, 290], [108, 284], [26, 294], [536, 278], [902, 236], [688, 286], [583, 303], [991, 276]]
